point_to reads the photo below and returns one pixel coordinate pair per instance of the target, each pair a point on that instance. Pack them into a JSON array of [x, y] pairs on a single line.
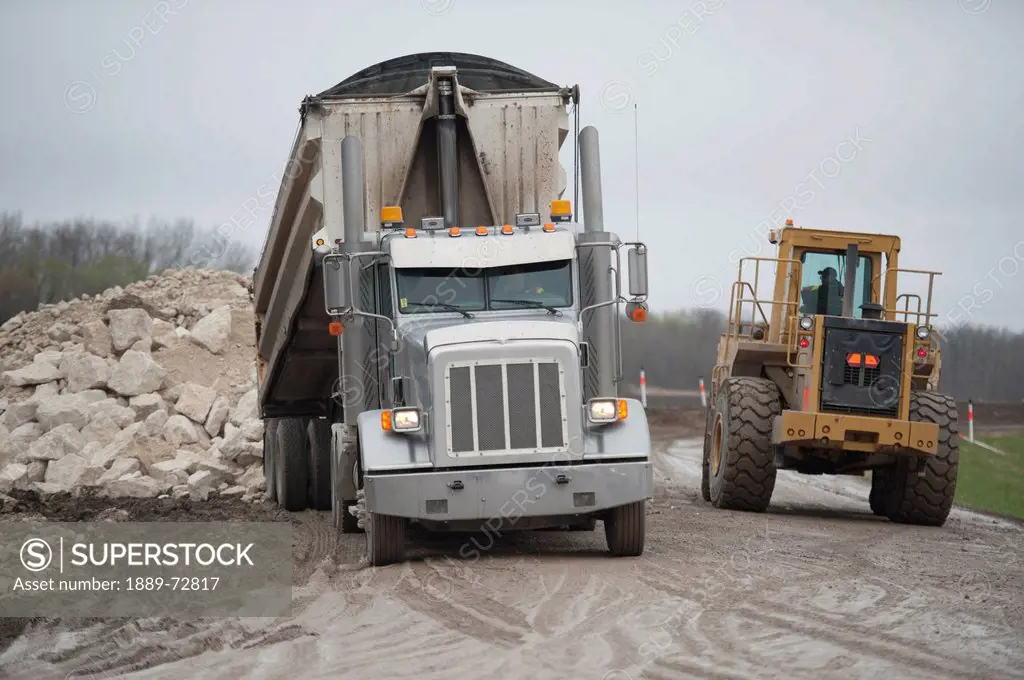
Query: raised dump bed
[[507, 126]]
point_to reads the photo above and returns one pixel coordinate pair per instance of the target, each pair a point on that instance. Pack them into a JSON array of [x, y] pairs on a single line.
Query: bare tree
[[45, 263]]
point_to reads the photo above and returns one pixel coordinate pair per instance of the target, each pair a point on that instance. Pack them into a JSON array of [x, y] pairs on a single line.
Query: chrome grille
[[513, 406]]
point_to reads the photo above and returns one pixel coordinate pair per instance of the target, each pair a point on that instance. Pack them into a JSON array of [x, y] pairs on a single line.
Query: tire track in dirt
[[469, 611], [678, 669], [856, 639]]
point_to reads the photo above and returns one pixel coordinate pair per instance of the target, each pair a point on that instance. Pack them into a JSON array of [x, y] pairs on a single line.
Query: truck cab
[[477, 343]]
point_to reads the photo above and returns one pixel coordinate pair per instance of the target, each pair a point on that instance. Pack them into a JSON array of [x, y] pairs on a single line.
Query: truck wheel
[[318, 433], [705, 472], [925, 498], [625, 529], [270, 457], [290, 465], [341, 508], [879, 483], [385, 535], [742, 465]]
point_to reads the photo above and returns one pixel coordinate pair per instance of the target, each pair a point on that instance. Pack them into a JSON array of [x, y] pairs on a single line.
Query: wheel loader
[[837, 373]]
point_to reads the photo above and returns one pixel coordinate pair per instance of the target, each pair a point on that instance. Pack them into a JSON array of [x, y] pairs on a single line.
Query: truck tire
[[879, 483], [385, 537], [341, 508], [269, 458], [318, 434], [291, 468], [705, 467], [742, 455], [625, 529], [925, 498]]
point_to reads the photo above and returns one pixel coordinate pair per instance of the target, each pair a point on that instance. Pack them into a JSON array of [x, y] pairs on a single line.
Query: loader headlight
[[923, 332], [607, 410], [401, 420], [806, 323]]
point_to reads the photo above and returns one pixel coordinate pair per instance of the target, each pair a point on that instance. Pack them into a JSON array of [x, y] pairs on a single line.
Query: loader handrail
[[920, 318], [737, 301]]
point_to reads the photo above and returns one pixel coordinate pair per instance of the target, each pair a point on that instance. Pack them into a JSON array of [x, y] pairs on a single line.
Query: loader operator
[[826, 298]]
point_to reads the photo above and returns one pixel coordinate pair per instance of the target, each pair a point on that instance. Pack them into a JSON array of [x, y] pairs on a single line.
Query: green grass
[[990, 482]]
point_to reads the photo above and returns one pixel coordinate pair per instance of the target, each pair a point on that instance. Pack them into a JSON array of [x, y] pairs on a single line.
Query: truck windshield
[[432, 290]]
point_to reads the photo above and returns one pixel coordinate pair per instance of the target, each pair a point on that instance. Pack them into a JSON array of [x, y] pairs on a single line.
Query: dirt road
[[816, 588]]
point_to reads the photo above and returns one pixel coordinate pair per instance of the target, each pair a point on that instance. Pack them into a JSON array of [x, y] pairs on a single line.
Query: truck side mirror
[[336, 293], [638, 271]]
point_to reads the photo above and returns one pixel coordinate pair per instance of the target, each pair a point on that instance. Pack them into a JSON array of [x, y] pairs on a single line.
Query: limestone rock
[[180, 430], [246, 409], [57, 443], [213, 330], [84, 371], [36, 373], [136, 374], [153, 426], [97, 338], [13, 476], [18, 413], [136, 487], [128, 326], [62, 410], [195, 402], [219, 411], [147, 404], [163, 334]]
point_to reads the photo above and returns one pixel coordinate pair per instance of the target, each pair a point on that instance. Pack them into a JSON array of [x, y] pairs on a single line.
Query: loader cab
[[813, 276]]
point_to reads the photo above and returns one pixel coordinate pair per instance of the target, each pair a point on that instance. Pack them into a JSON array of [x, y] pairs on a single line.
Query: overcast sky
[[901, 116]]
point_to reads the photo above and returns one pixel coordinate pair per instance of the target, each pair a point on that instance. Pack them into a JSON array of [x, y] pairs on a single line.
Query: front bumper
[[856, 433], [537, 491]]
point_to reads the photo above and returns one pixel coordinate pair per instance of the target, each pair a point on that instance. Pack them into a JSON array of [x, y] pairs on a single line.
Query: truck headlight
[[923, 332], [806, 323], [401, 420], [607, 410]]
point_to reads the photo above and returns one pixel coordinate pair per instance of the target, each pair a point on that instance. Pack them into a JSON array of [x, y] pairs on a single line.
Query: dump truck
[[837, 372], [438, 333]]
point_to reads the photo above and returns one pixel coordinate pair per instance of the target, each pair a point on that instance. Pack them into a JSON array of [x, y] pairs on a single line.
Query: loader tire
[[879, 486], [742, 466], [270, 458], [291, 465], [625, 529], [318, 434], [925, 498], [341, 508], [705, 467]]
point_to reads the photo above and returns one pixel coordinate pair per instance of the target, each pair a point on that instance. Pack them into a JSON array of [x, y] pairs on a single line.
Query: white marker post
[[703, 395], [643, 387], [970, 420]]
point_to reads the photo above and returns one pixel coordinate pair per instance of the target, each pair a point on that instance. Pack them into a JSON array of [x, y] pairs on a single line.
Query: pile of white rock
[[102, 412]]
